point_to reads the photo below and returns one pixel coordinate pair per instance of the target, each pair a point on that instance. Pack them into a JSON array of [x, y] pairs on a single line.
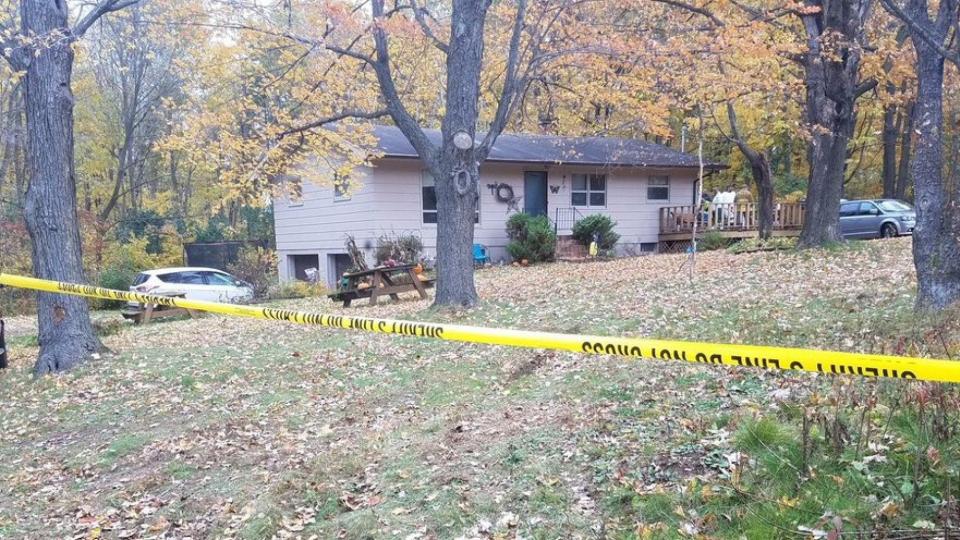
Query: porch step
[[568, 249]]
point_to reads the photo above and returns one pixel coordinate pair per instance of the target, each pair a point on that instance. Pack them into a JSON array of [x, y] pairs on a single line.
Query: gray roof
[[548, 149]]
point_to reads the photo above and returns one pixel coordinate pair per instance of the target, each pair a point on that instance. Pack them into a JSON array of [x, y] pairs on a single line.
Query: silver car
[[876, 218]]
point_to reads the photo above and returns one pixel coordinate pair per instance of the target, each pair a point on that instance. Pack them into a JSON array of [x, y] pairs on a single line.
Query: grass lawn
[[222, 427]]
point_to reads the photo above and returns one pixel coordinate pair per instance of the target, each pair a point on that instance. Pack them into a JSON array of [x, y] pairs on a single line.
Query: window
[[894, 206], [299, 264], [429, 196], [185, 278], [869, 209], [588, 190], [337, 265], [216, 278], [341, 188], [849, 209], [658, 188]]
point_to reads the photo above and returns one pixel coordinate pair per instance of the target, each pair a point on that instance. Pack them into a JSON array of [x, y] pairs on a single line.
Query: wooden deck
[[729, 220]]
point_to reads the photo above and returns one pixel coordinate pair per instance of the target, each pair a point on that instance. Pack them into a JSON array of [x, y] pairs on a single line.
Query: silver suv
[[876, 218]]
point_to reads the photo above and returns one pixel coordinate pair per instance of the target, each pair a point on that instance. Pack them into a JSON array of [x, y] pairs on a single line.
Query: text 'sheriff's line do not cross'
[[757, 356]]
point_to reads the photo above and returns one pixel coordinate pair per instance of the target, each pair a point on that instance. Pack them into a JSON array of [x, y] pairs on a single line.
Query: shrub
[[256, 266], [123, 261], [711, 241], [403, 248], [531, 238], [296, 289], [119, 278], [596, 224]]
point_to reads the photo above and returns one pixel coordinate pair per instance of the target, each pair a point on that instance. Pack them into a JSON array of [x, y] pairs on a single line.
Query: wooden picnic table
[[147, 312], [383, 280]]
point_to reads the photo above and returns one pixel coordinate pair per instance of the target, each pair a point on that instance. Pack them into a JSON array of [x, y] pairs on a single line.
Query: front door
[[535, 193]]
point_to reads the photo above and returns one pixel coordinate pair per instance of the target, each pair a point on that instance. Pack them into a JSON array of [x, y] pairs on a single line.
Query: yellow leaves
[[889, 510], [787, 502]]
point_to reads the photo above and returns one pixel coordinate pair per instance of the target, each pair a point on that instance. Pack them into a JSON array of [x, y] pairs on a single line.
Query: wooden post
[[375, 289], [699, 200], [3, 346], [417, 284]]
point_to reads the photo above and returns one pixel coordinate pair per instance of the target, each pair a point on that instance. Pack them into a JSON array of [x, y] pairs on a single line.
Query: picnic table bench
[[147, 312], [383, 280]]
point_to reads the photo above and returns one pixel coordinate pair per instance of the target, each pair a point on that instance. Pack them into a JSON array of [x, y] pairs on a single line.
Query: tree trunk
[[936, 241], [65, 333], [891, 132], [906, 143], [760, 171], [827, 158], [3, 347], [458, 174], [455, 170], [831, 68], [19, 157]]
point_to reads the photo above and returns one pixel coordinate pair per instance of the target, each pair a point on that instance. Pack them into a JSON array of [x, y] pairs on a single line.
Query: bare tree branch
[[419, 14], [351, 53], [510, 84], [400, 115], [922, 31], [107, 6], [693, 9], [865, 87], [369, 115]]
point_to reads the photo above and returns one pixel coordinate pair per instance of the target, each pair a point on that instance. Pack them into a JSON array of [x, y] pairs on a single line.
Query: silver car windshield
[[894, 206]]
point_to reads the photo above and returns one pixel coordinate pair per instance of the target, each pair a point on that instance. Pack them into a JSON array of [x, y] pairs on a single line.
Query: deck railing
[[727, 217]]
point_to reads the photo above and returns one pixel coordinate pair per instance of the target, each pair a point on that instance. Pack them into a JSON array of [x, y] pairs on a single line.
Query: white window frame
[[424, 174], [650, 185], [588, 191]]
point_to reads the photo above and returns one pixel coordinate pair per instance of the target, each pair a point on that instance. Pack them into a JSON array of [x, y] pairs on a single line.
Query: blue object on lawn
[[480, 254]]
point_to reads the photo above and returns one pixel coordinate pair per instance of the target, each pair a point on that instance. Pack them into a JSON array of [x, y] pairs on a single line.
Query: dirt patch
[[528, 366]]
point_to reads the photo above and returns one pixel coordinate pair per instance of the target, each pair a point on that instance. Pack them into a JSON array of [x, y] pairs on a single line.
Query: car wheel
[[889, 230]]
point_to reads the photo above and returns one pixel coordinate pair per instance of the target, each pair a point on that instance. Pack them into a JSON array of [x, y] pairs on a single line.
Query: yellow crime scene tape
[[771, 358]]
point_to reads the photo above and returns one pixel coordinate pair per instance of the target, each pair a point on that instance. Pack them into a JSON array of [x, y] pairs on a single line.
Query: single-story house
[[564, 178]]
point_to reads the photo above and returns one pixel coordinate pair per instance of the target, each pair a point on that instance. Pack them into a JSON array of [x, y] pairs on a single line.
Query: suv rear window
[[141, 278]]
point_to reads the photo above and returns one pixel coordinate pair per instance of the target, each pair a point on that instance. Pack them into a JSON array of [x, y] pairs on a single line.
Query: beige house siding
[[390, 201], [637, 217]]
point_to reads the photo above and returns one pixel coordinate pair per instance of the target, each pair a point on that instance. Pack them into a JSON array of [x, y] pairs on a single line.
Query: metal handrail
[[568, 217]]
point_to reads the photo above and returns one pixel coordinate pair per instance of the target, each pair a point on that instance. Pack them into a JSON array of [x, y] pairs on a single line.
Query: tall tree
[[760, 172], [455, 163], [936, 245], [740, 62], [891, 135], [906, 147], [835, 41], [43, 50], [132, 67]]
